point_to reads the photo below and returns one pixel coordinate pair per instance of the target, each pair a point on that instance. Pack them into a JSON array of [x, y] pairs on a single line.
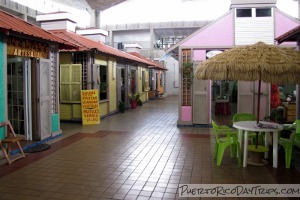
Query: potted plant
[[121, 106], [133, 100], [139, 101]]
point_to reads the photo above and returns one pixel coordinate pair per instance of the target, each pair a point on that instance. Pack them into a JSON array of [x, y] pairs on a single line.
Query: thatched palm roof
[[270, 63]]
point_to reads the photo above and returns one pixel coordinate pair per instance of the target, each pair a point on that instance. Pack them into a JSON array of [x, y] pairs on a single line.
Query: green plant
[[276, 115], [187, 68], [121, 106], [132, 97], [187, 72], [103, 87], [139, 101]]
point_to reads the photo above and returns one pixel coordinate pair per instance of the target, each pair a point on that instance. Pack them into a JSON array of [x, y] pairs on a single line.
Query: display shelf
[[291, 112]]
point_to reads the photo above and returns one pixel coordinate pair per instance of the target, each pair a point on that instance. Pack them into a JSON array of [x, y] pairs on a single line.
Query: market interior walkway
[[139, 154]]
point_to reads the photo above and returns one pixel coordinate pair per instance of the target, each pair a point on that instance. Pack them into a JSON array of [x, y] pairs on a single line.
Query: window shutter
[[76, 77], [70, 82], [65, 74]]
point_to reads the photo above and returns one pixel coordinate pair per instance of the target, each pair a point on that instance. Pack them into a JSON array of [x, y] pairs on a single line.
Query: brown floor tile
[[139, 154], [119, 196]]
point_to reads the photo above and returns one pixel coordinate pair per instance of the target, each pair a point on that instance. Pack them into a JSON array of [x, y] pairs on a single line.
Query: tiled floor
[[139, 154]]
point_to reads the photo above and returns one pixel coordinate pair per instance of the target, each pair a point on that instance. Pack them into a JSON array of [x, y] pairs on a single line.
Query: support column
[[97, 19], [24, 16], [298, 9], [151, 43], [111, 38], [3, 84]]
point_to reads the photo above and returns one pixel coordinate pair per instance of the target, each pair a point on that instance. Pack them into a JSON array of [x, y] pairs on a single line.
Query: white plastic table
[[246, 126]]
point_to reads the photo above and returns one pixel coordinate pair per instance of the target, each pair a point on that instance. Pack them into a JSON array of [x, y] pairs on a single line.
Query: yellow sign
[[90, 107]]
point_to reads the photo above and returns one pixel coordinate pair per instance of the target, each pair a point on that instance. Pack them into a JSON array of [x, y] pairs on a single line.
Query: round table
[[246, 126]]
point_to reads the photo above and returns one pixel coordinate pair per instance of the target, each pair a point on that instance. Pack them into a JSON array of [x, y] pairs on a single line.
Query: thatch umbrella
[[262, 62]]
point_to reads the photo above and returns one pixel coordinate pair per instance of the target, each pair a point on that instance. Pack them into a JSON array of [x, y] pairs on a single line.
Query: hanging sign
[[27, 48], [90, 107], [212, 53]]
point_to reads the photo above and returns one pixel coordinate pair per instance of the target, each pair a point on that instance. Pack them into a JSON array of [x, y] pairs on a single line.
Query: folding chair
[[9, 140]]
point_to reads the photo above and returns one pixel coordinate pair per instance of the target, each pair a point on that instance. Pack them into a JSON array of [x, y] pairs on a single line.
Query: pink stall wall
[[213, 34], [199, 55], [283, 23], [186, 113]]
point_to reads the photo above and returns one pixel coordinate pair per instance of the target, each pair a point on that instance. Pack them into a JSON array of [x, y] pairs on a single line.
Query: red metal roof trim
[[86, 44], [10, 23], [288, 34], [152, 63]]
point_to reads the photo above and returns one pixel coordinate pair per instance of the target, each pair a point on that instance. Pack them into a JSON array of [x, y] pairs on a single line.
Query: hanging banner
[[90, 107]]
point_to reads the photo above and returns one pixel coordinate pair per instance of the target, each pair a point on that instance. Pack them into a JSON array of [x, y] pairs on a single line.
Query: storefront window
[[81, 58]]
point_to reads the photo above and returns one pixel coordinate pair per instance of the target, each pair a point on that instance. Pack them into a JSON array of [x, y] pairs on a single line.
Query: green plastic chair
[[225, 137], [288, 143], [248, 117]]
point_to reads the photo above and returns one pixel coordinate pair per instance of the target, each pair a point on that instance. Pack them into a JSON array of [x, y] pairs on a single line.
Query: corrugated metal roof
[[291, 35], [12, 24], [86, 44], [154, 64]]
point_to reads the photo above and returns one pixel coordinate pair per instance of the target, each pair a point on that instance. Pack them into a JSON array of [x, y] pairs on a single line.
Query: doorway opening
[[224, 101], [133, 82], [19, 95], [123, 88]]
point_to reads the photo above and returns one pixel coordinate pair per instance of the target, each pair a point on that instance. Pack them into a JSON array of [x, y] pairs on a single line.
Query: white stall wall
[[172, 76]]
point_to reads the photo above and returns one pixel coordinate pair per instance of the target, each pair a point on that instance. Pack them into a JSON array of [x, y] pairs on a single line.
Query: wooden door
[[44, 99], [245, 100], [201, 101]]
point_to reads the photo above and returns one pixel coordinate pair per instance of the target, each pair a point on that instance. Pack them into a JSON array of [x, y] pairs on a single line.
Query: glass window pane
[[263, 12], [244, 12]]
